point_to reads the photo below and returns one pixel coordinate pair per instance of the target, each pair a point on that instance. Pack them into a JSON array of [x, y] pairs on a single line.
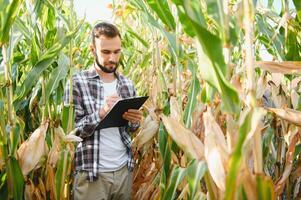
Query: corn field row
[[220, 123]]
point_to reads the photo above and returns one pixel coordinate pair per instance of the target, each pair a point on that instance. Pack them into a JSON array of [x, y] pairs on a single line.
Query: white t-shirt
[[113, 155]]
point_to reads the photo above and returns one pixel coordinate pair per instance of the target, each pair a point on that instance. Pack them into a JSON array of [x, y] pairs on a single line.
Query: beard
[[105, 69]]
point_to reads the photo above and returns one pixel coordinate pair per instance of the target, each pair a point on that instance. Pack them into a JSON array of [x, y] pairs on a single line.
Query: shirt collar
[[91, 73]]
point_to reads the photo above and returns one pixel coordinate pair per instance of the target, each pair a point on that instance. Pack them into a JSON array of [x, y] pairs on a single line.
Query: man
[[103, 160]]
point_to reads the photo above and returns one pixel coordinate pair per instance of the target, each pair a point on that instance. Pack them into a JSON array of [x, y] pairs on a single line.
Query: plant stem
[[9, 88], [71, 106], [249, 50], [43, 99], [249, 64]]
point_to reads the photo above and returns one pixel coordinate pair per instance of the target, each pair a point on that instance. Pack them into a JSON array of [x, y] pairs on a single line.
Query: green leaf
[[45, 60], [266, 142], [297, 151], [7, 20], [15, 178], [58, 74], [265, 188], [51, 19], [21, 26], [161, 8], [176, 177], [297, 4], [194, 12], [212, 74], [61, 173], [194, 89], [65, 117], [212, 64], [131, 32], [170, 36], [236, 157], [293, 46], [35, 50], [165, 152], [15, 138], [195, 172]]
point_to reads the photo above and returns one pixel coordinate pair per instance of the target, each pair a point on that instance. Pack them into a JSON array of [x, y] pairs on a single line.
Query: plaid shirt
[[88, 98]]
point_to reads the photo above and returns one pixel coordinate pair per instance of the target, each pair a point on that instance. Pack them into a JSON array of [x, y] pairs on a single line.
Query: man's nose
[[113, 57]]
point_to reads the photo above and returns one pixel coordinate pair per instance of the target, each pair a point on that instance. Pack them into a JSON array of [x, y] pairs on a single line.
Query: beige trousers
[[108, 186]]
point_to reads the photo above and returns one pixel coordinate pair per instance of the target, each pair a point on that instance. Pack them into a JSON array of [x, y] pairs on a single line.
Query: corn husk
[[31, 151], [148, 131], [185, 139]]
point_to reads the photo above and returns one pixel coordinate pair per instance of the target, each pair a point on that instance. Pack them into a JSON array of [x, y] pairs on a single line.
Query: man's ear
[[92, 49]]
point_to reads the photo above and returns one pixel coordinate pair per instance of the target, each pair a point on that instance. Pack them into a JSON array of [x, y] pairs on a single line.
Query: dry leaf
[[278, 100], [216, 151], [175, 111], [294, 99], [184, 138], [285, 67], [290, 115], [288, 164], [232, 132], [277, 78], [261, 86], [295, 82], [32, 150]]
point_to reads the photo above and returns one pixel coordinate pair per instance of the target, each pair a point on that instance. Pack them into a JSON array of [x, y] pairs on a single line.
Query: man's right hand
[[110, 101]]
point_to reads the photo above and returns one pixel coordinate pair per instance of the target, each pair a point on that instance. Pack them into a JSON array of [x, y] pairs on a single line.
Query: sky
[[93, 9], [97, 9]]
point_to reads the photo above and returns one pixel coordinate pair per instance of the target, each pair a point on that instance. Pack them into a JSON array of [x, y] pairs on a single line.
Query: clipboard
[[114, 117]]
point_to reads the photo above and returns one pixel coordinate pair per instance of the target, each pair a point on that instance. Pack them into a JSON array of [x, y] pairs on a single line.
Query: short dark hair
[[106, 29]]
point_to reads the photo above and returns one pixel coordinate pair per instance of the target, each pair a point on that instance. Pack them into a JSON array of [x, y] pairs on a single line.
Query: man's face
[[108, 51]]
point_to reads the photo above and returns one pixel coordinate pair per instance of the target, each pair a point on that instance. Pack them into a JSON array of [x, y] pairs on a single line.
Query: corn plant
[[40, 42], [227, 121], [221, 122]]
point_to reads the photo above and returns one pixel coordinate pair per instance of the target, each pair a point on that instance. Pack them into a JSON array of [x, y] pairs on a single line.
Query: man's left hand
[[133, 116]]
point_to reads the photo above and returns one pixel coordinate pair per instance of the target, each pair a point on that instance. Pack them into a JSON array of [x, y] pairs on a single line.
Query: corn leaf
[[8, 17], [285, 67], [15, 138], [297, 4], [162, 10], [184, 138], [176, 177], [265, 188], [212, 64], [61, 173], [165, 153], [290, 115], [15, 178], [194, 89], [195, 171], [57, 75], [47, 59], [236, 157]]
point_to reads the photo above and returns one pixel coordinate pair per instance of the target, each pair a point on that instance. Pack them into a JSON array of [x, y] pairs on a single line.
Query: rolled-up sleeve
[[85, 123]]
